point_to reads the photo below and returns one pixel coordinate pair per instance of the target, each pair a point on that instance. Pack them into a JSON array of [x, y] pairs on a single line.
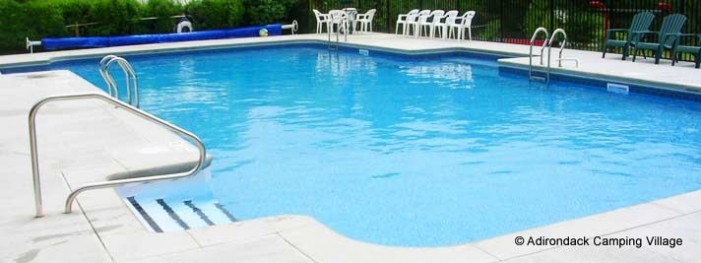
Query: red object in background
[[602, 7], [664, 6], [597, 4], [523, 41]]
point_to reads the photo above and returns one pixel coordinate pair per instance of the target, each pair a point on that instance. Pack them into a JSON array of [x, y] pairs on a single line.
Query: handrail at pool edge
[[72, 196], [530, 54]]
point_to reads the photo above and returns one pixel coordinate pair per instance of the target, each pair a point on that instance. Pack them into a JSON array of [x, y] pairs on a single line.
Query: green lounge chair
[[667, 37], [694, 50], [641, 22]]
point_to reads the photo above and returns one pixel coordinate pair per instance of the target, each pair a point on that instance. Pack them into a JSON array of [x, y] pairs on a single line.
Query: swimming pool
[[413, 151]]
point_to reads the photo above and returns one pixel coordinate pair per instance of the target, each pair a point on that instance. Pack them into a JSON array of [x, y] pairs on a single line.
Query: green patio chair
[[694, 50], [667, 37], [641, 22]]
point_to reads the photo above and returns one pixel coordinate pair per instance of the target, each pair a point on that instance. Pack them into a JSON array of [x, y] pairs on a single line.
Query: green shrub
[[74, 11], [34, 19], [163, 10], [491, 31], [115, 17], [44, 18], [39, 19], [260, 12], [13, 24], [582, 29], [215, 14]]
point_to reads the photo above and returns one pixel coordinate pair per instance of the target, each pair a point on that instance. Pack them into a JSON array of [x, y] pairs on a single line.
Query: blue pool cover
[[92, 42]]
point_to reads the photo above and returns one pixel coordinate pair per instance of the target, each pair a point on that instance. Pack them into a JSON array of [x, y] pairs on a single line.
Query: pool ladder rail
[[131, 80], [343, 23], [530, 54], [547, 42]]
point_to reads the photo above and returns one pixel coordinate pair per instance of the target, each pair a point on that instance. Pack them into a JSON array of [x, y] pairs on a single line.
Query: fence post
[[501, 19], [552, 15], [388, 13]]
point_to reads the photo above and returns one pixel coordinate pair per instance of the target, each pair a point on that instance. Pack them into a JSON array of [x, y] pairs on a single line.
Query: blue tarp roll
[[91, 42]]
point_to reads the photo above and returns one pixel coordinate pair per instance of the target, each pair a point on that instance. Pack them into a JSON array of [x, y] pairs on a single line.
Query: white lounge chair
[[465, 23], [420, 17], [443, 24], [321, 20], [430, 26], [403, 19], [365, 21]]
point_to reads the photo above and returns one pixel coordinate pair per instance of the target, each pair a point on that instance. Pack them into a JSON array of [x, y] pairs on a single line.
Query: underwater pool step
[[199, 212], [162, 215], [172, 214], [145, 217]]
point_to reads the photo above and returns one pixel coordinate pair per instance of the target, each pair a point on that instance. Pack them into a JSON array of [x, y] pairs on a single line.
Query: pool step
[[539, 76], [162, 215]]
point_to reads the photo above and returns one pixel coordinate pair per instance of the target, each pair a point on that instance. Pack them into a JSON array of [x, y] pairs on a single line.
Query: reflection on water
[[444, 74]]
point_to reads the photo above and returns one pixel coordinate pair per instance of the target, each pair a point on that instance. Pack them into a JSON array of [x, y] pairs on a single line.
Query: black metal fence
[[513, 21]]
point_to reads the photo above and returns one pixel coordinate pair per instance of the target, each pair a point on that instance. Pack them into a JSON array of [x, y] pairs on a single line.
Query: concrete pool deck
[[95, 140]]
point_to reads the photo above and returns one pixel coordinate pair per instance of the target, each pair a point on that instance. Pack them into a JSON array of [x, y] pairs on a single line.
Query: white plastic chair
[[436, 17], [321, 20], [365, 21], [465, 23], [339, 19], [403, 19], [443, 24], [414, 24]]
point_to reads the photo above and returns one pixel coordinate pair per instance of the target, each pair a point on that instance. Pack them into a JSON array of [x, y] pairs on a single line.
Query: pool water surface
[[414, 151]]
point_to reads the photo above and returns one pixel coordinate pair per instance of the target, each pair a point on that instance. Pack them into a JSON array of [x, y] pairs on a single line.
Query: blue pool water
[[405, 151]]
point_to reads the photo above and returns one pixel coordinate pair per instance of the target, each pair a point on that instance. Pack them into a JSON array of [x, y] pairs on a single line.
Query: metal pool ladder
[[132, 82], [334, 45], [343, 20], [546, 79], [106, 184], [548, 42], [562, 47]]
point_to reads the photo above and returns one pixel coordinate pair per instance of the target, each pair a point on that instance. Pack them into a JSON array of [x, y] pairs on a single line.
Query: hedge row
[[37, 19]]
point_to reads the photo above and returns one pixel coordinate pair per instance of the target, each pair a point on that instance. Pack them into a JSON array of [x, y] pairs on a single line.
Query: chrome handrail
[[342, 18], [562, 46], [71, 197], [530, 54], [111, 86], [129, 73]]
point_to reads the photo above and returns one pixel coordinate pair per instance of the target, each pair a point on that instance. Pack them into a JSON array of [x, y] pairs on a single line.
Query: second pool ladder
[[547, 42], [130, 78]]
